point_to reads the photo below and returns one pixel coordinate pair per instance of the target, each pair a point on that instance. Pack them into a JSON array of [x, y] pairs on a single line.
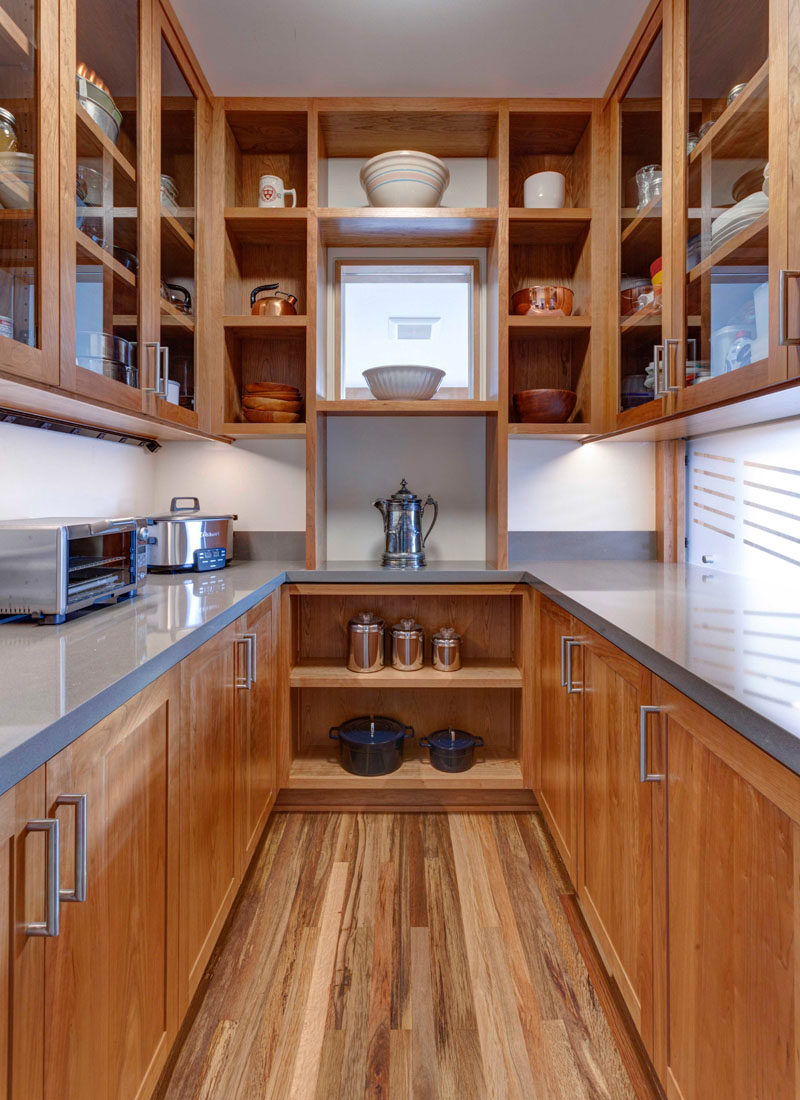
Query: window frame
[[397, 260]]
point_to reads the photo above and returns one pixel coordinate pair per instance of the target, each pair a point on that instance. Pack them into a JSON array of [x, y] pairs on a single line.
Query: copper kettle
[[280, 304]]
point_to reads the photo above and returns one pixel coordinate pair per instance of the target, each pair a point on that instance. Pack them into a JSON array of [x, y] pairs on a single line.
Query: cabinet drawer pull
[[784, 339], [572, 688], [79, 802], [563, 660], [248, 678], [670, 387], [52, 880], [644, 775], [659, 388]]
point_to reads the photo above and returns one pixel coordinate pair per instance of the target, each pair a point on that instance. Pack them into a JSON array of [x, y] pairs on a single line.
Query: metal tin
[[447, 650], [365, 633], [735, 91], [408, 646]]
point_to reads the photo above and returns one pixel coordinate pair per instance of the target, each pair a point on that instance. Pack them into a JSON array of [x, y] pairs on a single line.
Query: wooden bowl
[[553, 300], [544, 406], [258, 416], [271, 404], [271, 389]]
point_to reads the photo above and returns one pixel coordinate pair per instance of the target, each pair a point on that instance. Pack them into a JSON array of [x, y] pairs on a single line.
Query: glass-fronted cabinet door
[[643, 384], [175, 397], [29, 50], [102, 356], [733, 233]]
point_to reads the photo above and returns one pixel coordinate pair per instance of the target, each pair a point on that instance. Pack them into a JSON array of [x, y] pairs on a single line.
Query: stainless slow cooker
[[185, 540]]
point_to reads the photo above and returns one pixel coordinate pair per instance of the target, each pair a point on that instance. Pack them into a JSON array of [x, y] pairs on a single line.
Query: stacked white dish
[[737, 217], [16, 180], [405, 178], [403, 382]]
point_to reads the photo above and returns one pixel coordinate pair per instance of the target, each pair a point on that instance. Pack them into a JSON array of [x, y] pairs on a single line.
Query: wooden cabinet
[[615, 835], [728, 912], [111, 973], [209, 862], [255, 722], [559, 713], [22, 900]]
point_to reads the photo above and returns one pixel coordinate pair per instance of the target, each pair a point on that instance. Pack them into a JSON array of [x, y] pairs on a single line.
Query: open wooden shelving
[[531, 325], [429, 228], [265, 327], [265, 225], [443, 407], [331, 674], [320, 770], [562, 226]]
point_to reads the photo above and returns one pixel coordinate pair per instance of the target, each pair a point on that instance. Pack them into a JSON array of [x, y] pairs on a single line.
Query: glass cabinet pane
[[641, 342], [178, 118], [727, 183], [107, 216], [18, 172]]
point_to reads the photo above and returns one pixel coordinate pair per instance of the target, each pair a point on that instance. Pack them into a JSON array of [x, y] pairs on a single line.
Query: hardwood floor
[[404, 956]]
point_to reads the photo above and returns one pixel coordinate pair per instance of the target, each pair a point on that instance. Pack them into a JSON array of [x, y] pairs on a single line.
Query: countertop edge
[[766, 735], [24, 759]]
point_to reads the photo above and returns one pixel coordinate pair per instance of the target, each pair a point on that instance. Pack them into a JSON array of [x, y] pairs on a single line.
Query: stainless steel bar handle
[[164, 353], [52, 877], [784, 339], [241, 679], [572, 688], [246, 680], [563, 660], [668, 387], [644, 775], [158, 389], [78, 893]]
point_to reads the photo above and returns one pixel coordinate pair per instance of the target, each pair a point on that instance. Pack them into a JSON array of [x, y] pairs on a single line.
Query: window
[[416, 312]]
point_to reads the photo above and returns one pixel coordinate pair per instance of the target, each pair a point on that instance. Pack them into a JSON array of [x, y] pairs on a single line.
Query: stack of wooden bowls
[[271, 403]]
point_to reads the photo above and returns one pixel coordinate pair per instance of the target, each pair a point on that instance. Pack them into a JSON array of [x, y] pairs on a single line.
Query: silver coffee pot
[[402, 524]]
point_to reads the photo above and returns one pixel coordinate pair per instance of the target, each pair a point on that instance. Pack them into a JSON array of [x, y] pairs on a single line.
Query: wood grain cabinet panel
[[729, 895], [22, 899], [255, 724], [615, 842], [110, 974], [209, 864], [558, 728]]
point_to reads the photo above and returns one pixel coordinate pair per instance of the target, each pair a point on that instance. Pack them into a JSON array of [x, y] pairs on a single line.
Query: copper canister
[[447, 650], [365, 633], [408, 646]]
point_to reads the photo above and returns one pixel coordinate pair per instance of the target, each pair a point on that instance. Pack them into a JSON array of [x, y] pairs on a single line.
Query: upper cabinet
[[28, 188], [103, 246]]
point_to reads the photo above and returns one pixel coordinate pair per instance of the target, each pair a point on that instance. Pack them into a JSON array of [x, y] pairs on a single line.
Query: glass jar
[[648, 184], [8, 132]]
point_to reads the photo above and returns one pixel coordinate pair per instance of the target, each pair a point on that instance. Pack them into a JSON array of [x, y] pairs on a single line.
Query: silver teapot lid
[[404, 494], [407, 627], [365, 622]]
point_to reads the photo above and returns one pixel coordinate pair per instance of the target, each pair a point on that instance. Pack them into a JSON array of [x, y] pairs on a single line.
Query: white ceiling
[[409, 47]]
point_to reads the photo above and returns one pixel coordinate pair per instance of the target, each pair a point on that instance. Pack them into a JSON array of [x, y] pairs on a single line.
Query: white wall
[[444, 456], [563, 486]]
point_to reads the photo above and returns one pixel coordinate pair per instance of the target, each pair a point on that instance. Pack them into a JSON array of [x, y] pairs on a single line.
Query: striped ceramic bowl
[[405, 178]]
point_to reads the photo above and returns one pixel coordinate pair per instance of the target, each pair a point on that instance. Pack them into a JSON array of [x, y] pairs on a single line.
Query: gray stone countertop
[[729, 643]]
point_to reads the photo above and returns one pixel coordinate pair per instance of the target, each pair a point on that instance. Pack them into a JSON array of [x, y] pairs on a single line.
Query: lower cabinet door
[[23, 870], [110, 974], [731, 909], [255, 722], [615, 868], [558, 723], [209, 864]]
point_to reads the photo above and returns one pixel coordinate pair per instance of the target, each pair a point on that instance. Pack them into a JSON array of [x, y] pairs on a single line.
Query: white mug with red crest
[[271, 192]]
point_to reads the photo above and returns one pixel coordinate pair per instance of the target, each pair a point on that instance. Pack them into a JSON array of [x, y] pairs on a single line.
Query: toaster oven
[[52, 568]]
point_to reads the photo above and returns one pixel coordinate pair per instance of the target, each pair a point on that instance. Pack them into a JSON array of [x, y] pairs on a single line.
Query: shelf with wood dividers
[[265, 327], [434, 407], [331, 674], [521, 326], [265, 225], [174, 318], [92, 142], [245, 430], [177, 246], [89, 252], [422, 226], [551, 431], [548, 226], [321, 770]]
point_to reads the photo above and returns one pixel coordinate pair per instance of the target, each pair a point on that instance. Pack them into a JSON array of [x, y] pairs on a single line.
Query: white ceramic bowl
[[405, 178], [403, 382]]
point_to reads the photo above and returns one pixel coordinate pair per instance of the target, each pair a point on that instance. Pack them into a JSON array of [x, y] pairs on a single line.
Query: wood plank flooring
[[404, 956]]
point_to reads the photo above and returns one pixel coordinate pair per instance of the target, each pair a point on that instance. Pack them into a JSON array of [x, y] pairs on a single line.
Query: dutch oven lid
[[452, 740], [371, 730], [187, 508]]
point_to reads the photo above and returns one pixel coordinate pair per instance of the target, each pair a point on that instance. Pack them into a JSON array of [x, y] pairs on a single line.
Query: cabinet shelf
[[266, 225], [264, 327], [562, 226], [320, 770], [747, 248], [174, 318], [551, 431], [434, 407], [742, 129], [526, 326], [92, 142], [429, 227], [91, 253], [334, 674], [246, 430], [646, 318]]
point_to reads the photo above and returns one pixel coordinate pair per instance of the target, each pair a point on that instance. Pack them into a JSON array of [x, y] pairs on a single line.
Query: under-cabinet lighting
[[67, 427]]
